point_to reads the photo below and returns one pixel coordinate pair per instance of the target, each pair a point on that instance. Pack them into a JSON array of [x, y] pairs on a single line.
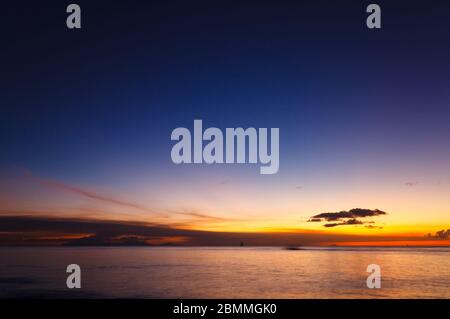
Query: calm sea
[[141, 272]]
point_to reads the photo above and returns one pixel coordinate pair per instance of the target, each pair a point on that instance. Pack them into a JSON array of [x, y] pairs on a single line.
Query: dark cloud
[[373, 227], [352, 213], [32, 224], [96, 240], [351, 217], [442, 234], [28, 230], [347, 222]]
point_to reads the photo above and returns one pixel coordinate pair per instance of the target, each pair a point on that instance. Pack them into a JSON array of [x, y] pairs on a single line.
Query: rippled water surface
[[141, 272]]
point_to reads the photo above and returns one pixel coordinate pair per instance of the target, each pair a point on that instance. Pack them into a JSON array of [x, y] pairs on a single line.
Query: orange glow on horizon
[[425, 243]]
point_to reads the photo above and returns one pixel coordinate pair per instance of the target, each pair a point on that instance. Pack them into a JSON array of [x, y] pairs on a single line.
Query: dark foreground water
[[141, 272]]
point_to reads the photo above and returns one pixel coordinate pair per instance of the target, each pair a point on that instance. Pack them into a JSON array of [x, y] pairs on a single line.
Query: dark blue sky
[[83, 105]]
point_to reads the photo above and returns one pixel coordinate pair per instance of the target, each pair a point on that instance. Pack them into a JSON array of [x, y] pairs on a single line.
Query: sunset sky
[[86, 117]]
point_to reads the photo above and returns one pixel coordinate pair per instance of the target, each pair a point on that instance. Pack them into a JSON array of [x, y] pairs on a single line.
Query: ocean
[[224, 272]]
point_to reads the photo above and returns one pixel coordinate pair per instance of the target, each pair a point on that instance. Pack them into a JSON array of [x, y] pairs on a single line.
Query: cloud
[[351, 217], [442, 234], [203, 216], [28, 230], [373, 227], [86, 193], [411, 184], [347, 222], [113, 200], [352, 213]]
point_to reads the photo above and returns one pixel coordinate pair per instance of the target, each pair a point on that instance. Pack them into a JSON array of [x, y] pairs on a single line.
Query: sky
[[86, 119]]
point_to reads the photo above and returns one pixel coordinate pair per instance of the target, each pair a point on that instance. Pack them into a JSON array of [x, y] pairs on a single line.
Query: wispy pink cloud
[[119, 202], [86, 193]]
